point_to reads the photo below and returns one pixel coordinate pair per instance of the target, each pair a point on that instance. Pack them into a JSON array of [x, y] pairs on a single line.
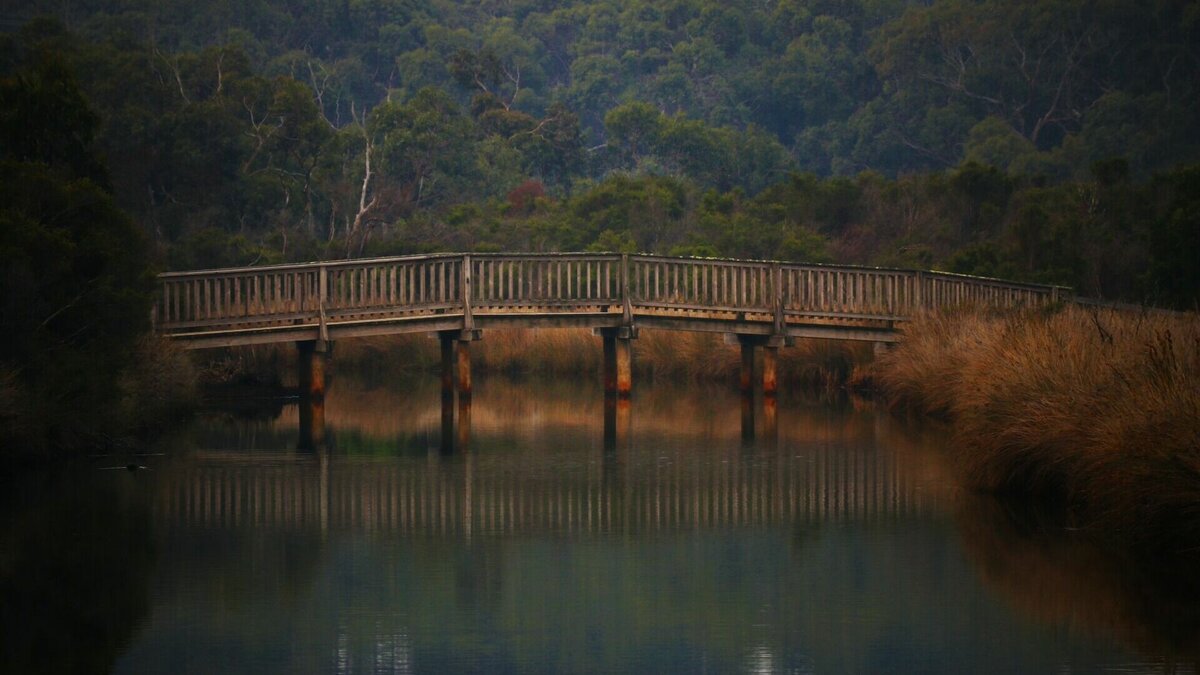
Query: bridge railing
[[508, 280], [657, 282], [210, 298], [282, 294], [391, 285], [381, 288], [826, 292]]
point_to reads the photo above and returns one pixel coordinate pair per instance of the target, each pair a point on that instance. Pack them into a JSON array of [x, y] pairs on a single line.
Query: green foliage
[[75, 291], [45, 118], [75, 296], [1173, 276], [950, 134]]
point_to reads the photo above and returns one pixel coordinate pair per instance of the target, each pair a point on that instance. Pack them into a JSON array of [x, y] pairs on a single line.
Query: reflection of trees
[[1026, 555], [75, 571]]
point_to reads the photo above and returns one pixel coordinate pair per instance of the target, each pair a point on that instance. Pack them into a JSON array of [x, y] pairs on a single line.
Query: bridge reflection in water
[[678, 546], [819, 468]]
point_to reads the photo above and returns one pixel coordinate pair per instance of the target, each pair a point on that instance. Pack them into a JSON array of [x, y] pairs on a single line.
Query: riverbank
[[38, 426], [1096, 410]]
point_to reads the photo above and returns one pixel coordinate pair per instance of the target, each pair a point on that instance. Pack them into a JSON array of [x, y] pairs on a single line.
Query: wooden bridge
[[457, 296]]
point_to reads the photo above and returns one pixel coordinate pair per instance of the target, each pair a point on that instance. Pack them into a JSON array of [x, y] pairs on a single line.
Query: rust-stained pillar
[[610, 363], [446, 444], [312, 424], [446, 341], [617, 414], [747, 344], [312, 362], [456, 359], [618, 360], [464, 369], [624, 367], [770, 421], [464, 423], [770, 381], [747, 415], [449, 363], [456, 377]]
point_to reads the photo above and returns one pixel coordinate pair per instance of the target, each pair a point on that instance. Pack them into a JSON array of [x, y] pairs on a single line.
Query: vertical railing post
[[322, 285], [465, 289], [919, 292], [777, 291], [626, 304]]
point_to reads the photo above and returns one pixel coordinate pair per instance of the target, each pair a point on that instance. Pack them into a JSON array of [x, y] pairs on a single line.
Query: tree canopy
[[974, 135]]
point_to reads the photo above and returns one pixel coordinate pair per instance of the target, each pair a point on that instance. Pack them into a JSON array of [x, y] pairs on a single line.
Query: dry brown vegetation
[[1099, 408], [695, 356]]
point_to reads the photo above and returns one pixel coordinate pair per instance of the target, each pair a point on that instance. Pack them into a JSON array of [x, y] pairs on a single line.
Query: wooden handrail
[[477, 284]]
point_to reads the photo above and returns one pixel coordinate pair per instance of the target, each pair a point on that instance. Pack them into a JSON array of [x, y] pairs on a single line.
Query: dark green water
[[837, 544]]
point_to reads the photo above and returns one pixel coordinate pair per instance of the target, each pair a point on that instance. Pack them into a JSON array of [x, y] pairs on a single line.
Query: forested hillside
[[1039, 140]]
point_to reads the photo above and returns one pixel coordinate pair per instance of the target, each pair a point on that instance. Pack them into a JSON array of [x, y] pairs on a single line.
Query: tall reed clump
[[1098, 408]]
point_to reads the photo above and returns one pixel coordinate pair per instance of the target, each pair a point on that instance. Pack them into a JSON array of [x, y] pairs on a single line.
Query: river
[[831, 539]]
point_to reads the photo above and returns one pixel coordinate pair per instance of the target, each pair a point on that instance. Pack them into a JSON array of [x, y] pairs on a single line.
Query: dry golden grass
[[1101, 408], [565, 351], [503, 407]]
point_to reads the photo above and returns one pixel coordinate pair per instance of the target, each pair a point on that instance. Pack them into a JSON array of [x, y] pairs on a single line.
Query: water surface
[[830, 538]]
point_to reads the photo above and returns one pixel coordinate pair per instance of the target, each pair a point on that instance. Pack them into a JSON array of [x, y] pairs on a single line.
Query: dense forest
[[1048, 141]]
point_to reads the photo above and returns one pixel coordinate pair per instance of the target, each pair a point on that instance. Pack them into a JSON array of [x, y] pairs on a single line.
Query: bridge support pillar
[[618, 360], [770, 380], [616, 423], [747, 371], [770, 360], [449, 363], [312, 362], [771, 421], [456, 360], [464, 369], [313, 359]]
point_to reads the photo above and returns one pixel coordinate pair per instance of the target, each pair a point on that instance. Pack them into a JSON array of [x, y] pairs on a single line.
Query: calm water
[[833, 541]]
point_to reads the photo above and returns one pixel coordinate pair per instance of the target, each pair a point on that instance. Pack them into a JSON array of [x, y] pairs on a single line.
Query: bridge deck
[[443, 292]]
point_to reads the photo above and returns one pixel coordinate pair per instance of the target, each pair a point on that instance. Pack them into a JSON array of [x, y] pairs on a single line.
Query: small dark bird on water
[[131, 467]]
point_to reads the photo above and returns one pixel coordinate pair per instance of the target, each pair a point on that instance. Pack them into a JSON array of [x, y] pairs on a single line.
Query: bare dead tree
[[174, 68], [365, 205]]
